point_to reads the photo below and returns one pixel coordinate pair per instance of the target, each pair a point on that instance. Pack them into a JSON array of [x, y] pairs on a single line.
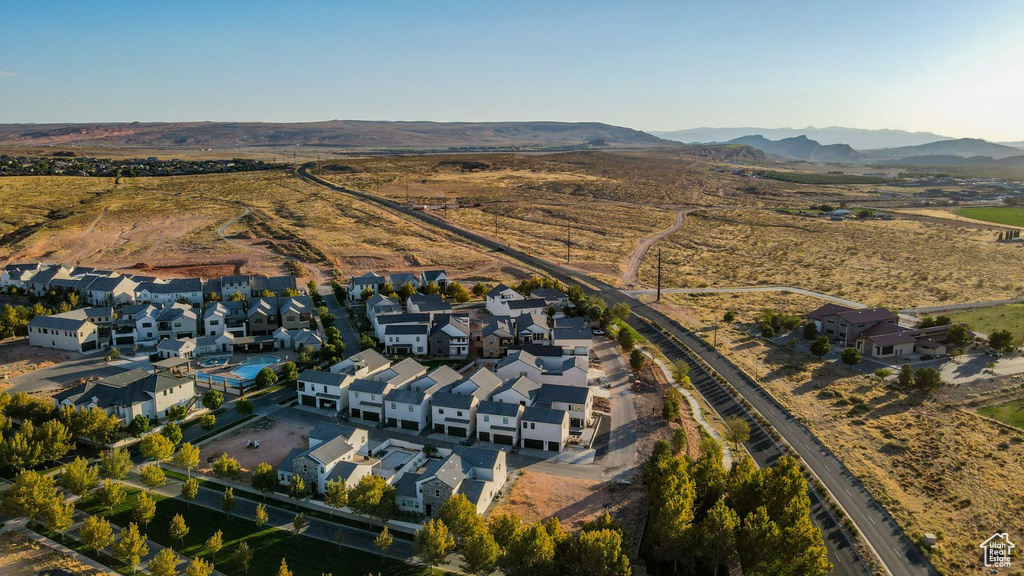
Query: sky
[[950, 67]]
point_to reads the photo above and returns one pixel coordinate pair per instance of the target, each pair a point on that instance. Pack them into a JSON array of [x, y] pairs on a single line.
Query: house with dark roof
[[449, 336], [578, 401], [358, 284], [432, 304], [516, 308], [408, 406], [453, 412], [544, 428], [574, 338], [324, 390], [131, 394], [498, 422], [399, 279], [533, 329], [497, 299], [544, 365], [406, 339], [383, 321], [231, 285], [179, 348], [519, 390], [167, 292], [497, 335], [845, 324], [438, 277], [380, 305], [555, 298], [72, 331], [109, 291]]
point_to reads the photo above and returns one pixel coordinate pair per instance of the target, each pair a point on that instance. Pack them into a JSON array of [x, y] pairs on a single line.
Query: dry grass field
[[891, 263], [169, 227], [935, 464]]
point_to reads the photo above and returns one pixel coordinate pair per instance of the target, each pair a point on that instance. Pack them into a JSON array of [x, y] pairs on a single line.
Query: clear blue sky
[[951, 67]]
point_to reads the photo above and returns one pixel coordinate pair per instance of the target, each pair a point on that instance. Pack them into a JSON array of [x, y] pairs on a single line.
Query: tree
[[266, 378], [96, 533], [227, 501], [289, 371], [212, 399], [906, 377], [164, 563], [927, 378], [297, 487], [729, 317], [339, 537], [1001, 340], [621, 311], [810, 331], [264, 478], [821, 346], [637, 360], [172, 432], [177, 413], [215, 543], [226, 467], [156, 447], [31, 495], [626, 340], [366, 496], [178, 528], [139, 426], [199, 567], [383, 541], [336, 495], [111, 494], [957, 336], [598, 553], [54, 440], [680, 371], [283, 569], [480, 553], [504, 527], [737, 430], [672, 404], [60, 515], [851, 356], [244, 406], [531, 552], [479, 289], [262, 517], [207, 422], [715, 535], [243, 555], [78, 477], [186, 457], [431, 288], [433, 543], [131, 547], [767, 330], [115, 464], [145, 509], [679, 441], [189, 489], [460, 517], [152, 476]]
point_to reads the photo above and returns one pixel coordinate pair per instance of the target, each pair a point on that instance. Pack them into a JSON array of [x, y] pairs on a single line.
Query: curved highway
[[891, 545]]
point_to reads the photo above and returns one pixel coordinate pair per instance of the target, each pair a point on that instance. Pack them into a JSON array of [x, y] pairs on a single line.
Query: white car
[[597, 332]]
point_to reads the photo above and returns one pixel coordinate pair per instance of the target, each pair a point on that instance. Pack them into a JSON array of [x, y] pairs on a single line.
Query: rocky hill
[[801, 148]]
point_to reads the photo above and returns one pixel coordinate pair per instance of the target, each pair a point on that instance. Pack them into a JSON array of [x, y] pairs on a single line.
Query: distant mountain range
[[859, 139], [802, 148], [333, 133]]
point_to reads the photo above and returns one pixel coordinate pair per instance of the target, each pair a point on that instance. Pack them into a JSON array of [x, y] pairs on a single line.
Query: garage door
[[392, 422], [554, 446], [355, 413], [486, 437], [308, 400], [410, 425], [457, 431], [504, 439], [91, 345], [371, 416], [532, 443], [439, 428]]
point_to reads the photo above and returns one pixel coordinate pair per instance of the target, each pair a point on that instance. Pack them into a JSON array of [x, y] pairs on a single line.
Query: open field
[[171, 227], [1011, 412], [937, 467], [275, 442], [1009, 215], [891, 263], [985, 320]]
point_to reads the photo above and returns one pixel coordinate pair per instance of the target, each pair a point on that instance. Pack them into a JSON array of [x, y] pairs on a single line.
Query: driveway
[[65, 374]]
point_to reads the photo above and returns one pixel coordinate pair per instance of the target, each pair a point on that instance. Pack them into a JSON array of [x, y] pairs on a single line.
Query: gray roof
[[494, 292], [477, 457], [368, 385], [573, 333], [498, 408], [325, 431], [430, 302], [404, 396], [286, 464], [520, 384], [501, 326], [450, 400], [174, 345], [407, 486], [448, 470], [549, 293], [557, 393], [406, 329], [570, 322], [57, 322], [173, 286], [531, 320], [401, 373], [332, 449], [321, 377], [527, 304], [415, 318], [368, 278], [544, 415], [454, 322], [397, 279], [122, 389], [344, 471], [244, 279], [432, 275], [369, 359], [473, 490]]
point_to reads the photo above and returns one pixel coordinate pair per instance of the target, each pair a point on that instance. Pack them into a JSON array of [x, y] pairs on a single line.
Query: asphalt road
[[896, 551], [348, 334]]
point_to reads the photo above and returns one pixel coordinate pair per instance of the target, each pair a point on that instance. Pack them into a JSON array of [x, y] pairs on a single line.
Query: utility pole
[[716, 332], [495, 224], [407, 189], [659, 275], [568, 238]]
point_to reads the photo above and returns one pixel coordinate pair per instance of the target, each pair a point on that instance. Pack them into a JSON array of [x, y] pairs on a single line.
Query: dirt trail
[[633, 263], [96, 221]]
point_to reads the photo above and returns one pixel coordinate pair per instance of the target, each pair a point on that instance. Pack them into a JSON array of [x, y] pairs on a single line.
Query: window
[[410, 408], [533, 426], [393, 406], [524, 425], [504, 420], [437, 493], [487, 418], [440, 410], [458, 413], [357, 394], [373, 396]]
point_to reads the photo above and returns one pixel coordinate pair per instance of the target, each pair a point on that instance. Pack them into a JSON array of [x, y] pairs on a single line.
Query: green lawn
[[985, 320], [1011, 412], [1009, 215]]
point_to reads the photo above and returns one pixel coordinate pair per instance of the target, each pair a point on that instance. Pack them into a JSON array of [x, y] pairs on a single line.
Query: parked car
[[597, 332]]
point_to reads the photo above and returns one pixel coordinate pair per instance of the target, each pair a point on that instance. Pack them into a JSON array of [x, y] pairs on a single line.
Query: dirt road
[[634, 260]]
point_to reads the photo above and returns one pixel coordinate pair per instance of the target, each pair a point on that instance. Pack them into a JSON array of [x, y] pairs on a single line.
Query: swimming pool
[[250, 367], [212, 362]]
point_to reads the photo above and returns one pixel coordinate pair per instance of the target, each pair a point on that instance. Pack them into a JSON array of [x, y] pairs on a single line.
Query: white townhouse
[[578, 401], [477, 473], [449, 337], [408, 407], [366, 395], [330, 390], [406, 339], [532, 329], [358, 284], [231, 285], [70, 331], [519, 390], [18, 275], [497, 299], [544, 365], [215, 319], [432, 304], [555, 298], [382, 322], [132, 393], [380, 305], [453, 412], [399, 279], [498, 422], [544, 428], [573, 336], [164, 293], [109, 291], [438, 277], [362, 364], [182, 348]]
